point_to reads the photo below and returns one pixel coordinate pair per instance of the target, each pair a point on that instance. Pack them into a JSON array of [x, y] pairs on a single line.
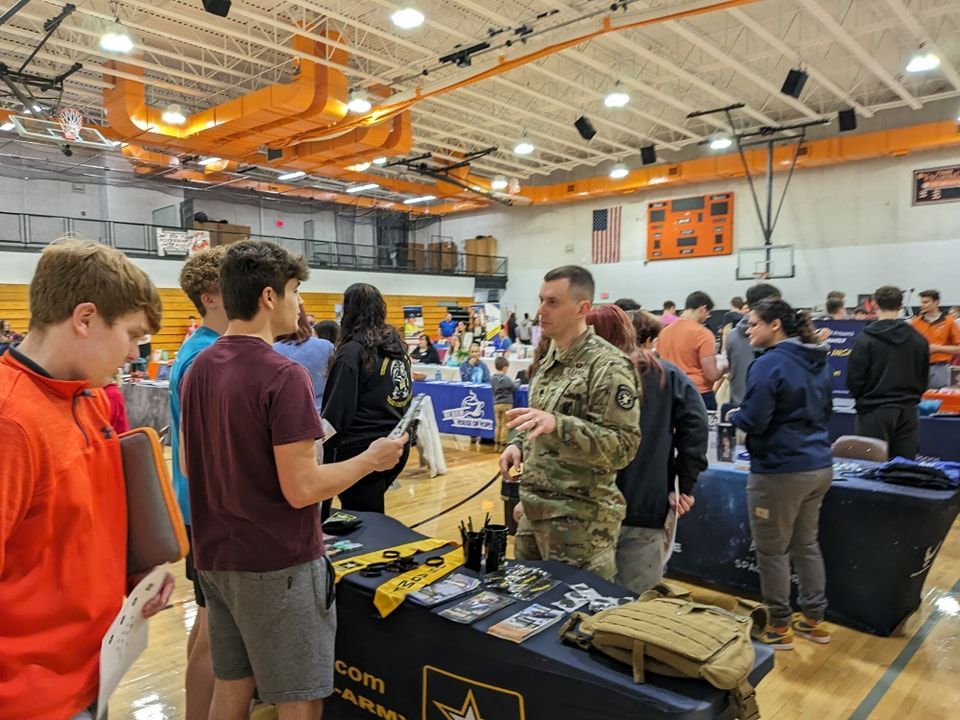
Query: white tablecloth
[[453, 373]]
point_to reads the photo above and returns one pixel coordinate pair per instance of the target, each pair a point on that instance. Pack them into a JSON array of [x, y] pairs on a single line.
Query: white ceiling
[[854, 51]]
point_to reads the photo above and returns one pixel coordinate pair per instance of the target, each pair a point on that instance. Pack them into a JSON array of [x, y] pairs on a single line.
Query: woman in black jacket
[[426, 351], [673, 423], [368, 390]]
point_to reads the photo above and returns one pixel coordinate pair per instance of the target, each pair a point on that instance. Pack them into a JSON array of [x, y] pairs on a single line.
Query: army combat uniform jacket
[[592, 390]]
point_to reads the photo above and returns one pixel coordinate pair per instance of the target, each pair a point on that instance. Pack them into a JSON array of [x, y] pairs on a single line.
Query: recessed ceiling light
[[116, 38], [296, 175], [408, 17], [524, 147], [173, 115], [499, 183], [618, 172], [720, 143], [362, 188]]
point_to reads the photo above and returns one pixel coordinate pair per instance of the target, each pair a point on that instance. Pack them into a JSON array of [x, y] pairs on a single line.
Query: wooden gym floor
[[913, 675]]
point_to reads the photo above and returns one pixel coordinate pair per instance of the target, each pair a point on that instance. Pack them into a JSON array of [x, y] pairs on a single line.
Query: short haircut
[[249, 267], [933, 294], [760, 292], [646, 325], [581, 281], [889, 297], [327, 330], [72, 272], [736, 301], [475, 343], [836, 294], [698, 299], [834, 305], [201, 274], [501, 363], [627, 304], [669, 305]]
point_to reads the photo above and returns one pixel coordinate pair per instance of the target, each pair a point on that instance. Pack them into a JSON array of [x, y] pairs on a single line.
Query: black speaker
[[585, 128], [648, 154], [794, 83], [847, 120], [274, 154], [217, 7]]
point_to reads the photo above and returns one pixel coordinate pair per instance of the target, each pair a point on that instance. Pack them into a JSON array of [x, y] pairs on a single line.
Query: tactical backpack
[[678, 637]]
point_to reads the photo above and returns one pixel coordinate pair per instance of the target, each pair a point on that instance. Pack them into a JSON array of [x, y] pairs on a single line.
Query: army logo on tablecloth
[[451, 697]]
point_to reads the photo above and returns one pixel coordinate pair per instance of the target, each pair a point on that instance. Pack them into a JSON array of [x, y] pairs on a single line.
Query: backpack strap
[[638, 663], [744, 699], [571, 634]]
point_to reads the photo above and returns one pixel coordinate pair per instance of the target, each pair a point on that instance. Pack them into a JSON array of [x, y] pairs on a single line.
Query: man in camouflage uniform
[[583, 424]]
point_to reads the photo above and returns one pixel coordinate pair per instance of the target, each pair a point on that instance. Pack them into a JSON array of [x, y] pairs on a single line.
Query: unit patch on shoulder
[[626, 398]]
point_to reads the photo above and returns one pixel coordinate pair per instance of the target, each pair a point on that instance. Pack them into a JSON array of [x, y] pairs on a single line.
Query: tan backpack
[[678, 637]]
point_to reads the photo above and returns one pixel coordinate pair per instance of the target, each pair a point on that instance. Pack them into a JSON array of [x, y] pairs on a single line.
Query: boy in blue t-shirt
[[200, 280]]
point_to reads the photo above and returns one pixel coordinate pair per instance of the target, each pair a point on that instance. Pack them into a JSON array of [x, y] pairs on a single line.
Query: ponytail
[[795, 323]]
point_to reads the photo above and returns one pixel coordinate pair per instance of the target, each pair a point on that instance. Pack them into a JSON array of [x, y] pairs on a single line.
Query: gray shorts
[[279, 627]]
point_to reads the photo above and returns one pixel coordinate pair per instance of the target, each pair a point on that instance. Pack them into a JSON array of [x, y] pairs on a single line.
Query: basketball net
[[71, 122]]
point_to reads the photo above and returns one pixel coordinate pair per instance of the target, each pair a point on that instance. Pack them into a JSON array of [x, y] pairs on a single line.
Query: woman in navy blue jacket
[[785, 413]]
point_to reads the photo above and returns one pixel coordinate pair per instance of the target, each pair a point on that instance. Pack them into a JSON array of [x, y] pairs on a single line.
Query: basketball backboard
[[50, 131], [775, 261]]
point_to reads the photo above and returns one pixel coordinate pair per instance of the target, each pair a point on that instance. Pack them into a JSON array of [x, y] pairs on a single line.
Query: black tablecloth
[[939, 435], [399, 667], [878, 542]]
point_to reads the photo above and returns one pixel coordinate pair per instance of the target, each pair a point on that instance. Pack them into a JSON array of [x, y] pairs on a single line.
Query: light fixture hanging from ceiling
[[7, 126], [209, 161], [407, 17], [616, 98], [923, 61], [359, 103], [619, 171], [421, 199], [524, 146], [173, 115], [380, 161], [116, 38], [295, 175], [499, 183], [359, 167], [720, 143], [362, 188]]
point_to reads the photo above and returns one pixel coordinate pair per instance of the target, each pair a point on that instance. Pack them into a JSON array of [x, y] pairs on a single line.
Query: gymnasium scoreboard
[[700, 226]]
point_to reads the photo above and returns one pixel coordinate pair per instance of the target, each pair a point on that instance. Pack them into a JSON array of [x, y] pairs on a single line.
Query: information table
[[939, 435], [148, 405], [409, 664], [460, 408], [878, 541]]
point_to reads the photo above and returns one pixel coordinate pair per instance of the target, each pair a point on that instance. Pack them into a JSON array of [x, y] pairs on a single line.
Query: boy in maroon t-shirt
[[248, 425]]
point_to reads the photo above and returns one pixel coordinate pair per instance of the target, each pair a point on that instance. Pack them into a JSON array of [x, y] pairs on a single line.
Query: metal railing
[[26, 231]]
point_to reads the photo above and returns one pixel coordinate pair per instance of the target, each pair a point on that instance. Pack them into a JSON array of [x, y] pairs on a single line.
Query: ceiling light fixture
[[359, 103], [524, 146], [720, 143], [421, 199], [296, 175], [923, 61], [362, 188], [116, 38], [209, 160], [7, 126], [173, 115], [359, 167], [499, 183], [616, 98], [620, 171], [408, 17], [380, 161]]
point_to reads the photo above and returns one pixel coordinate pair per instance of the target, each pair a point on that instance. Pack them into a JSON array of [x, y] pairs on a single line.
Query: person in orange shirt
[[63, 509], [689, 345], [943, 334]]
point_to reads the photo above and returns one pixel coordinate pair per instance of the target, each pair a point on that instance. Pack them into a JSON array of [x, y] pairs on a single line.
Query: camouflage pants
[[585, 544]]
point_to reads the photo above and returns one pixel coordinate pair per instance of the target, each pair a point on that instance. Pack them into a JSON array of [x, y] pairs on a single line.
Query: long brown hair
[[647, 326], [795, 323], [303, 333]]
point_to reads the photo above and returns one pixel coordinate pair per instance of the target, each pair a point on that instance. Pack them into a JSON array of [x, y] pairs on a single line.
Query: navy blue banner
[[461, 408], [840, 342]]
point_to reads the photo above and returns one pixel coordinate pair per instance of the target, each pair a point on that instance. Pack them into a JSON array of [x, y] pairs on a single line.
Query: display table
[[939, 435], [460, 408], [949, 401], [878, 541], [403, 665], [148, 405], [453, 373]]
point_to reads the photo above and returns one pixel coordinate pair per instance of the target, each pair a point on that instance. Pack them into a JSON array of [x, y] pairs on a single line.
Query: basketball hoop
[[71, 122], [760, 277]]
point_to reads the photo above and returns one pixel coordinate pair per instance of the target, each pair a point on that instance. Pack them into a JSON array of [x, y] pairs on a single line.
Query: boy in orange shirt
[[943, 335], [63, 510]]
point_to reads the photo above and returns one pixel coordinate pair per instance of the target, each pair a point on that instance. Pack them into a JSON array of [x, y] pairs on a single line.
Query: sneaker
[[815, 630], [779, 638]]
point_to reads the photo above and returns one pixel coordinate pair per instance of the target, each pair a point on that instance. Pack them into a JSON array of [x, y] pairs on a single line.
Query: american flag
[[606, 236]]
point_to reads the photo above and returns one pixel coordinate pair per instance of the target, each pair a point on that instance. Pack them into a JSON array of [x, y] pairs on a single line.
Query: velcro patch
[[626, 398]]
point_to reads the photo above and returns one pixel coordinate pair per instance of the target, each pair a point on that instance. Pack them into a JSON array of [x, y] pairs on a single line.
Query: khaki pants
[[500, 416]]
